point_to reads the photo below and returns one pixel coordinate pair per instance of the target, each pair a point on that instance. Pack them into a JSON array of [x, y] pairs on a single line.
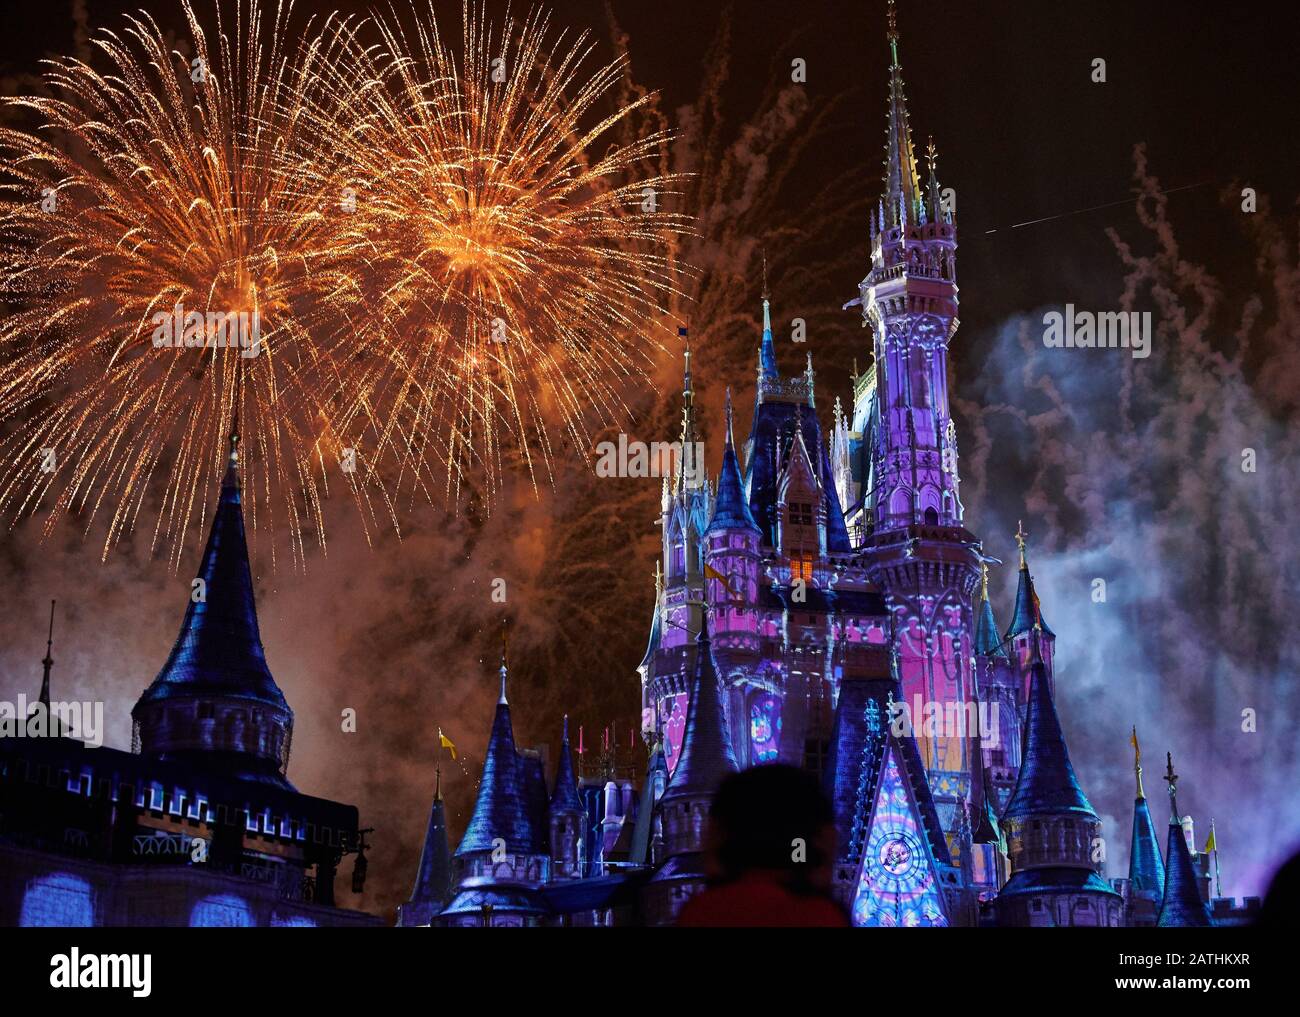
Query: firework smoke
[[1132, 472]]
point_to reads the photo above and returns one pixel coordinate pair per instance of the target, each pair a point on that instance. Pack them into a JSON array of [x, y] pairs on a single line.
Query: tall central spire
[[902, 182]]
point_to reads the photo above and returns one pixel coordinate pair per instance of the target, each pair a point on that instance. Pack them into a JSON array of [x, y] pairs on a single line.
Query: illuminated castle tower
[[433, 884], [215, 693], [705, 760], [1146, 869], [199, 825], [771, 561], [503, 859], [900, 466], [1029, 613], [1001, 693], [1051, 830], [1182, 904]]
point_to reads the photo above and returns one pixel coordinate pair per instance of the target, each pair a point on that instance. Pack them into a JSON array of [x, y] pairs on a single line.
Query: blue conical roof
[[731, 510], [767, 349], [656, 770], [218, 651], [1028, 611], [706, 756], [987, 640], [656, 631], [1182, 905], [433, 882], [503, 809], [1146, 869], [565, 796], [1046, 784]]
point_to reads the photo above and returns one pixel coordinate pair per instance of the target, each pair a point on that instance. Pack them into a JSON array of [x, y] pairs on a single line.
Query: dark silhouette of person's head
[[773, 817], [1281, 907]]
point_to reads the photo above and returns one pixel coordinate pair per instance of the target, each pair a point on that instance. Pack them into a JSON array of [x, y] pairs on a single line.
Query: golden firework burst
[[523, 236], [439, 272]]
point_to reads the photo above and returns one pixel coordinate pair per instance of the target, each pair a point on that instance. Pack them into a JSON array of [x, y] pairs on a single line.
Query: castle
[[824, 605], [197, 825]]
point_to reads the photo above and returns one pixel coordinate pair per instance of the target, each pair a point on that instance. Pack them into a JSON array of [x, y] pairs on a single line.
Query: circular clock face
[[898, 854]]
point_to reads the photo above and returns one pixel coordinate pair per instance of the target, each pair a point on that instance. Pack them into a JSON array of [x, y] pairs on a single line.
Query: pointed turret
[[987, 830], [706, 760], [433, 880], [934, 194], [47, 664], [902, 197], [1182, 906], [690, 475], [1028, 612], [731, 510], [51, 725], [656, 625], [1146, 869], [565, 815], [1047, 784], [565, 796], [987, 641], [706, 756], [216, 686], [767, 348], [1051, 828], [502, 810], [647, 835]]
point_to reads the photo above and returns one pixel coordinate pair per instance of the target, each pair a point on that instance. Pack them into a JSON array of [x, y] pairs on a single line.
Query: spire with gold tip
[[902, 197]]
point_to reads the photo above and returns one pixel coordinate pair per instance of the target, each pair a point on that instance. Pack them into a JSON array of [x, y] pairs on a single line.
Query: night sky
[[1124, 470]]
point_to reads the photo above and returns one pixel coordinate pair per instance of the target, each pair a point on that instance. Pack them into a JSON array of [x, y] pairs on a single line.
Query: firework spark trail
[[388, 208], [169, 189], [524, 272]]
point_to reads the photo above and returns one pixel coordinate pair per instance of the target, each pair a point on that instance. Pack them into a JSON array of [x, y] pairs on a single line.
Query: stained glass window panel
[[897, 885]]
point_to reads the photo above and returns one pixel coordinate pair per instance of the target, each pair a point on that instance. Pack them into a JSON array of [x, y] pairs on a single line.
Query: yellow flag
[[711, 573], [1210, 845], [1134, 742], [446, 743]]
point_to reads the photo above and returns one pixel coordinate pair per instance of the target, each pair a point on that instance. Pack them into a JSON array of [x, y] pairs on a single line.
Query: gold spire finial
[[984, 580], [892, 34], [1137, 763], [1021, 536], [766, 293]]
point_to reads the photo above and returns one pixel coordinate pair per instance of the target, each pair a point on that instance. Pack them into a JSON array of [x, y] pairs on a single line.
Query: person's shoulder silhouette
[[771, 847]]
